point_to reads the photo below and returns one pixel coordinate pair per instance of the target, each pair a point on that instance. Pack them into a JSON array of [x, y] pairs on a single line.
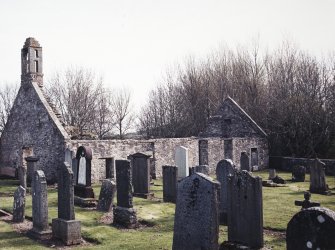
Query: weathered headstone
[[110, 167], [298, 173], [202, 169], [106, 196], [65, 227], [306, 203], [31, 167], [244, 162], [312, 228], [19, 204], [318, 178], [40, 228], [181, 161], [203, 152], [170, 183], [124, 213], [245, 210], [224, 169], [196, 224], [140, 164]]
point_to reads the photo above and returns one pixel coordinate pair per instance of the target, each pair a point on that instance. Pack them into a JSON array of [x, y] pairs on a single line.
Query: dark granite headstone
[[312, 228], [244, 161], [203, 152], [202, 169], [107, 193], [223, 169], [170, 183], [245, 210], [31, 167], [19, 204], [298, 173], [196, 223], [140, 164], [318, 177]]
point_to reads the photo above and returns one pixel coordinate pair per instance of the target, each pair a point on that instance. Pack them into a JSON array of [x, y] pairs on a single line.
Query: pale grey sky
[[132, 43]]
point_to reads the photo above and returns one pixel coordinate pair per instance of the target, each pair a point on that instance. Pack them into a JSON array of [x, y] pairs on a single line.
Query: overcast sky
[[132, 43]]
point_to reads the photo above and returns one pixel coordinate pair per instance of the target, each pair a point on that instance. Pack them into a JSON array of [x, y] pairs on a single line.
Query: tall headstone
[[40, 228], [170, 183], [140, 164], [31, 167], [245, 210], [124, 213], [203, 152], [19, 204], [181, 161], [244, 161], [224, 169], [202, 169], [65, 227], [196, 223], [106, 196], [110, 167], [318, 177], [312, 228]]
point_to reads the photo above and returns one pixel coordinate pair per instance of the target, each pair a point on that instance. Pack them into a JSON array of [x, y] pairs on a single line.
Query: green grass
[[278, 209]]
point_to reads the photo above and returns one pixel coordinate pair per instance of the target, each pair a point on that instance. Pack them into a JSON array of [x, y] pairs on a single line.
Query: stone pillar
[[202, 169], [318, 177], [196, 219], [245, 210], [40, 228], [65, 227], [203, 152], [170, 183], [124, 214], [244, 162], [31, 167], [19, 204], [224, 169], [181, 161], [107, 193]]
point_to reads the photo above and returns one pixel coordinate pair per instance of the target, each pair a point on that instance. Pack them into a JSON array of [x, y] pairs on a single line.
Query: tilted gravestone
[[169, 183], [31, 167], [40, 228], [244, 162], [318, 177], [202, 169], [196, 223], [203, 152], [140, 165], [65, 227], [181, 161], [107, 193], [298, 173], [311, 228], [19, 204], [223, 169], [245, 210], [124, 213]]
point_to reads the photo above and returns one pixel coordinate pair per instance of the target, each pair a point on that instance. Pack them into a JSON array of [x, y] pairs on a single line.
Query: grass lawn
[[278, 208]]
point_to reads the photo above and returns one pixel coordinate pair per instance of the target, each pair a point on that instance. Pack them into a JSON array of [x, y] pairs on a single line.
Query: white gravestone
[[82, 171], [181, 161]]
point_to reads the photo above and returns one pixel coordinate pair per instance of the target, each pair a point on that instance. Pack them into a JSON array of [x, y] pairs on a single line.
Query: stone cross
[[196, 223], [181, 161], [19, 204], [245, 210], [170, 183], [244, 161], [203, 152], [107, 193], [224, 169], [318, 177], [307, 203]]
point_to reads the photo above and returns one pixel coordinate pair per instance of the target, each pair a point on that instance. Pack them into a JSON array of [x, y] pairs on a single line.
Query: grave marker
[[31, 167], [298, 173], [318, 177], [307, 203], [19, 204], [181, 161], [106, 196], [244, 162], [170, 183]]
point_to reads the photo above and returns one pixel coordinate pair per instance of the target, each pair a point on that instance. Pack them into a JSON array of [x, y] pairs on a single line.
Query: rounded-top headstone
[[84, 152]]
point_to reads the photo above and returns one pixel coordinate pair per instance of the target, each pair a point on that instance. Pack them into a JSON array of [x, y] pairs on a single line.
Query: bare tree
[[7, 98]]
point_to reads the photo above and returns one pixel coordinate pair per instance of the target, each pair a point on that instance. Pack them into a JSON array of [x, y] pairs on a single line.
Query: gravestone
[[298, 173], [140, 164], [181, 161], [203, 152], [31, 167], [83, 191], [106, 196], [306, 203], [40, 228], [124, 213], [170, 183], [272, 173], [196, 224], [311, 228], [202, 169], [317, 177], [19, 204], [245, 210], [110, 167], [65, 227], [224, 169], [244, 162]]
